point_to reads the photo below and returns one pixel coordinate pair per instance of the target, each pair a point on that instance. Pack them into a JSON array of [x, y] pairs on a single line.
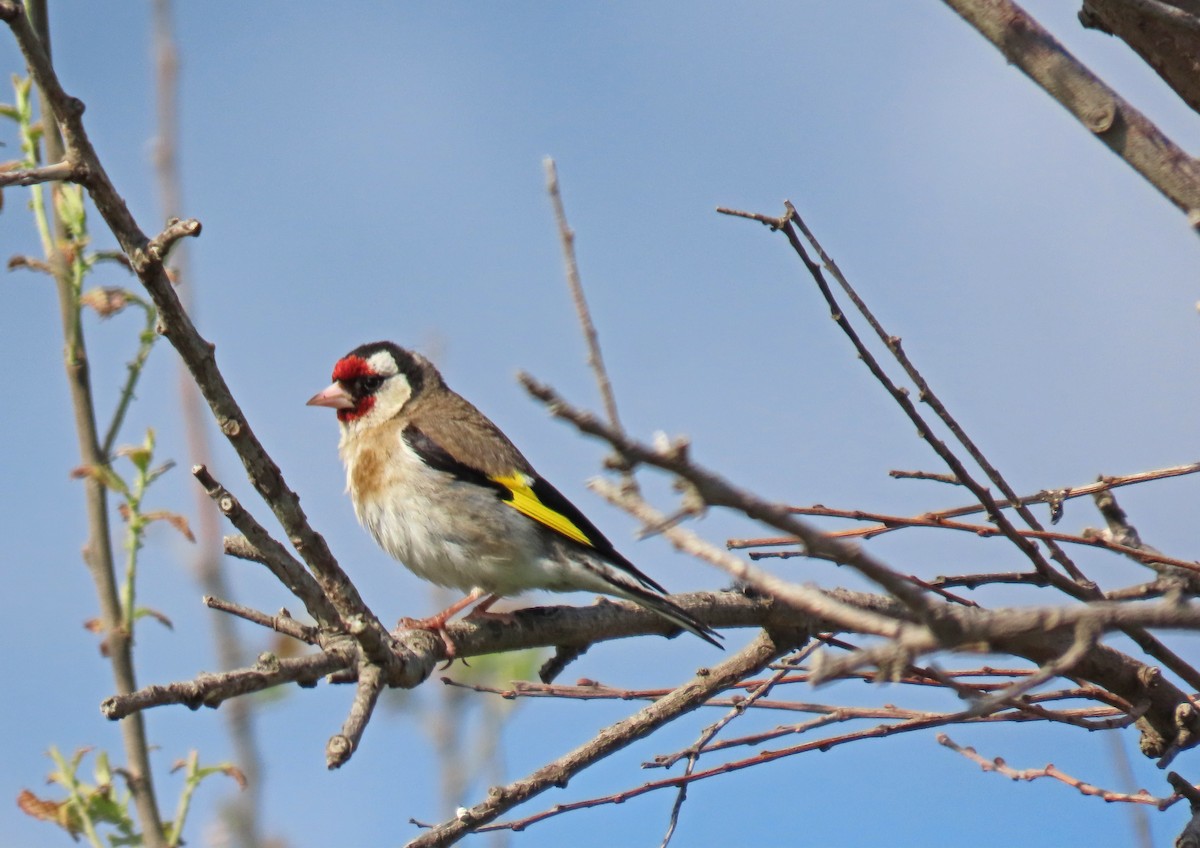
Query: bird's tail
[[617, 576], [669, 610]]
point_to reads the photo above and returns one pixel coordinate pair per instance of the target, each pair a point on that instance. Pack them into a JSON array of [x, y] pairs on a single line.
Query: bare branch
[[281, 623], [1113, 120], [413, 655], [567, 237], [270, 553], [820, 605], [1000, 767], [1040, 635], [876, 732], [1078, 586], [1165, 35], [63, 171], [718, 492], [146, 258], [210, 690], [366, 694], [176, 229], [751, 659], [33, 36], [886, 523]]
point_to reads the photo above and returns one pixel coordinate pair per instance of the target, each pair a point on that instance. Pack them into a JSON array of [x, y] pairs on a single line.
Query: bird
[[443, 490]]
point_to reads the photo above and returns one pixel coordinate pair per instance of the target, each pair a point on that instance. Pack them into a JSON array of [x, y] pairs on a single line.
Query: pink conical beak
[[335, 397]]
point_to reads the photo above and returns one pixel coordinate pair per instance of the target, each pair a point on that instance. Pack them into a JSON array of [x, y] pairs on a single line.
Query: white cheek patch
[[393, 394], [381, 363]]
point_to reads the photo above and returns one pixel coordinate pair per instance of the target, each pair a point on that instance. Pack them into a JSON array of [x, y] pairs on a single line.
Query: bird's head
[[374, 382]]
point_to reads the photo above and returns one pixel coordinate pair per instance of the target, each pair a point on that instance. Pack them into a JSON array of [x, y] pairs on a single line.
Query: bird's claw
[[436, 624]]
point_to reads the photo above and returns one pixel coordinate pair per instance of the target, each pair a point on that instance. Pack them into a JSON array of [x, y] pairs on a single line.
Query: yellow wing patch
[[525, 501]]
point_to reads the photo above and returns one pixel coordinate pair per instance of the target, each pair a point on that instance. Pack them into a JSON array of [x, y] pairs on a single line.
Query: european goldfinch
[[444, 491]]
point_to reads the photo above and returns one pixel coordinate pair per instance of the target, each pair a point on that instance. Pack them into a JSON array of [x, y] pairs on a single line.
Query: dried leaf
[[29, 262], [143, 612], [239, 777], [59, 812], [106, 300], [39, 808], [174, 519]]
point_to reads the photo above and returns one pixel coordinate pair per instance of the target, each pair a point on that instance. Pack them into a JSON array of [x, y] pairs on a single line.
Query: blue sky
[[375, 172]]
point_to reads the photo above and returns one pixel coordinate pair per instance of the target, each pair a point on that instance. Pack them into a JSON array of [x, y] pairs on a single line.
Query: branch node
[[1100, 118], [176, 229]]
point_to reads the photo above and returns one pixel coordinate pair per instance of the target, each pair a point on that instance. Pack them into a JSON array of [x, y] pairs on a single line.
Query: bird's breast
[[447, 531]]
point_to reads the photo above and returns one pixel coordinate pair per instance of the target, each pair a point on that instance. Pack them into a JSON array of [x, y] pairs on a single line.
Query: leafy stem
[[146, 340], [86, 804], [131, 510], [194, 775]]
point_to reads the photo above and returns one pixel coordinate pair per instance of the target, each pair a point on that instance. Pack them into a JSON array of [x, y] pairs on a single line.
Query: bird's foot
[[481, 613], [436, 624]]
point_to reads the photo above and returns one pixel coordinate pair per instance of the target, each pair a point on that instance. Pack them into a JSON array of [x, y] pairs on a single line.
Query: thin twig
[[1085, 640], [814, 602], [59, 172], [902, 399], [885, 523], [1039, 636], [763, 757], [286, 569], [1000, 767], [751, 659], [567, 238], [280, 623], [1078, 586]]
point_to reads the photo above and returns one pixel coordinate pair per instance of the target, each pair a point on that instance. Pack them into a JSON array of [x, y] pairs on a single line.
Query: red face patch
[[358, 411], [349, 367]]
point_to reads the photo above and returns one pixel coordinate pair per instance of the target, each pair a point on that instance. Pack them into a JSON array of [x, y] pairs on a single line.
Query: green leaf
[[71, 210], [102, 770], [104, 474]]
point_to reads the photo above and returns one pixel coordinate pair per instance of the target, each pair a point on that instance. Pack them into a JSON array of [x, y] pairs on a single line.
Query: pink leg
[[481, 611], [437, 623]]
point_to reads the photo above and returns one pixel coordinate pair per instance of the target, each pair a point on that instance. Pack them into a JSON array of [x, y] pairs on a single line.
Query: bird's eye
[[370, 384]]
